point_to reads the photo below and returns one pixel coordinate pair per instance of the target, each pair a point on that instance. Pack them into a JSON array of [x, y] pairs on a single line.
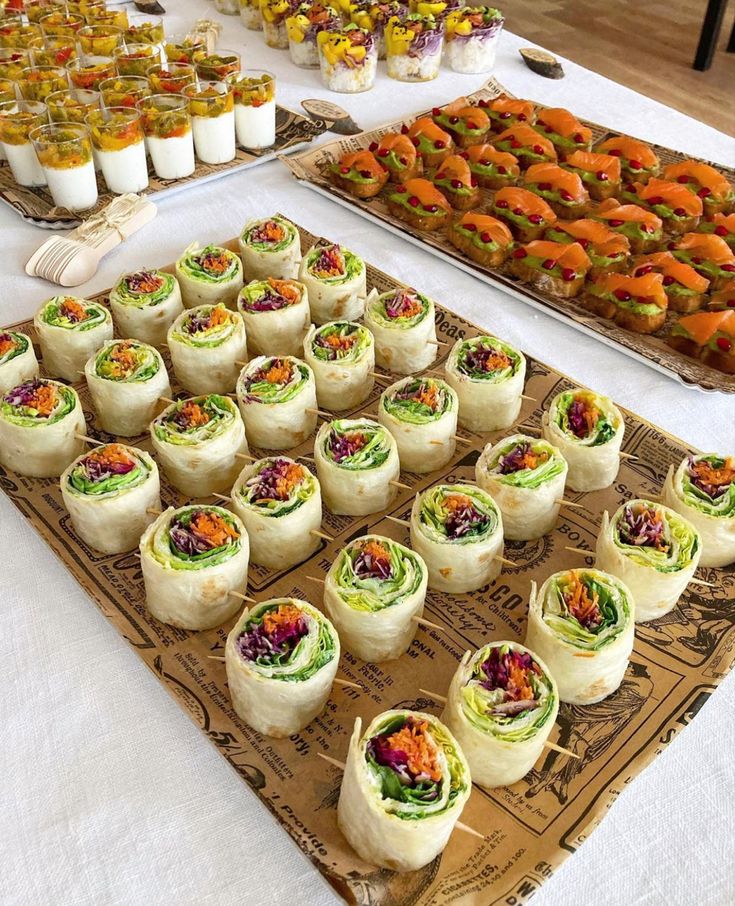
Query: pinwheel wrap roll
[[108, 491], [421, 414], [402, 322], [126, 378], [458, 530], [274, 394], [40, 424], [208, 346], [702, 490], [145, 304], [270, 247], [197, 442], [69, 331], [487, 376], [356, 461], [18, 361], [280, 503], [525, 476], [501, 707], [276, 316], [335, 280], [342, 356], [192, 558], [372, 592], [581, 623], [405, 784], [281, 658], [651, 548], [588, 430], [209, 275]]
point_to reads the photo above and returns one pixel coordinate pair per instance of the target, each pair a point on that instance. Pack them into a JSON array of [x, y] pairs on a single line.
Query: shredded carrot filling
[[193, 414], [532, 460], [123, 360], [149, 283], [217, 264], [279, 372], [412, 740], [340, 342], [213, 528], [272, 231], [284, 288], [428, 395], [72, 310], [329, 264], [721, 477], [283, 616], [6, 344], [218, 316], [376, 550], [110, 455], [455, 502], [43, 399], [519, 686], [583, 608]]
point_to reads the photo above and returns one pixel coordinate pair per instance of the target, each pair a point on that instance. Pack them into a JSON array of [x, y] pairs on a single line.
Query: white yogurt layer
[[74, 188], [214, 137], [125, 170], [256, 126], [172, 158], [24, 165]]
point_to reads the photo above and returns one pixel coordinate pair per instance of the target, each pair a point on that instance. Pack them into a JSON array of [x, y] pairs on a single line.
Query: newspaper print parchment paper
[[312, 167], [531, 826]]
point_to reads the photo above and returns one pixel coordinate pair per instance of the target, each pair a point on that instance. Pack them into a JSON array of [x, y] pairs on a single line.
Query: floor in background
[[648, 46]]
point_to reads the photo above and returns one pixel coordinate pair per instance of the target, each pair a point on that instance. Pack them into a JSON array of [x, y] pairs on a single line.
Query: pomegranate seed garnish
[[616, 223], [514, 143], [721, 231], [521, 117], [622, 295], [544, 186], [680, 212], [668, 280], [454, 120], [682, 179], [615, 153], [704, 192], [585, 243], [415, 142], [602, 176], [501, 204], [456, 183], [537, 149], [473, 182], [635, 164], [535, 219], [465, 156], [578, 138], [366, 174], [483, 103], [724, 344], [413, 201], [384, 152], [671, 246], [697, 260], [470, 227], [486, 237], [505, 115], [728, 267], [569, 274], [472, 126], [432, 208], [646, 269], [404, 129], [657, 199], [518, 211], [565, 196], [440, 143], [436, 111], [548, 264], [373, 146], [520, 253], [501, 169], [344, 169]]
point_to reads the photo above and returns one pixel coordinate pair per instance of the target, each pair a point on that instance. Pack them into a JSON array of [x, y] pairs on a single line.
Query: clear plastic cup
[[52, 50], [61, 22], [64, 151], [228, 7], [413, 47], [255, 108], [184, 48], [72, 105], [348, 59], [167, 127], [89, 71], [17, 120], [171, 78], [7, 90], [250, 14], [37, 82], [216, 66], [145, 30], [212, 111], [303, 26], [124, 91], [15, 33], [117, 137], [274, 14], [36, 9], [101, 16], [13, 60], [99, 40], [136, 59]]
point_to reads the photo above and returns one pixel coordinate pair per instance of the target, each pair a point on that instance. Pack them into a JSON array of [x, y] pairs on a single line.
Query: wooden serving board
[[535, 824], [312, 168]]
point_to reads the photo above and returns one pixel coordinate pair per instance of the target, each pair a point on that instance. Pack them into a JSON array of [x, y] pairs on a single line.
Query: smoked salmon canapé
[[599, 172], [504, 111], [360, 174], [420, 204], [643, 229], [555, 267], [525, 213], [722, 225], [606, 249], [564, 191], [704, 180], [636, 303], [708, 254], [454, 178], [467, 124], [396, 152], [723, 299], [678, 208], [528, 145], [684, 287], [491, 168], [484, 239], [431, 141], [708, 336], [637, 159], [563, 128]]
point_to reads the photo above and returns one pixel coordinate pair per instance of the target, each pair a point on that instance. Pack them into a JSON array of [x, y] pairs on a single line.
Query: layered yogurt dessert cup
[[13, 60], [145, 30], [99, 40], [255, 108], [117, 138], [167, 127], [89, 71], [17, 120], [72, 105], [185, 48], [212, 111], [136, 59], [36, 83], [171, 78], [216, 66], [124, 91], [15, 33], [52, 50], [65, 153]]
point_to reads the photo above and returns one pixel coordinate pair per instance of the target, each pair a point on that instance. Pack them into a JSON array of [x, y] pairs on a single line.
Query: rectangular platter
[[532, 826], [312, 168], [293, 133]]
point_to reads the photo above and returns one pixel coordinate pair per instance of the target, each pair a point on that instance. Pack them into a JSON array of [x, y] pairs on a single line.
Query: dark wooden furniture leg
[[710, 32]]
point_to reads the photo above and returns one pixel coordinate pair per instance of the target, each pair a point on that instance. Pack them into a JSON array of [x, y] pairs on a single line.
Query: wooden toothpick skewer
[[624, 455], [571, 503], [578, 550], [427, 623], [529, 429], [165, 399], [91, 440], [696, 581], [347, 684], [397, 520], [236, 594], [319, 534], [460, 440], [460, 825], [214, 657], [504, 560], [530, 398], [549, 745], [400, 484], [244, 364], [245, 456], [222, 497], [315, 579], [152, 511], [320, 412]]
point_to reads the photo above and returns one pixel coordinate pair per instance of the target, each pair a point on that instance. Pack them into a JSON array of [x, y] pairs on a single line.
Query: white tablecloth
[[110, 795]]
